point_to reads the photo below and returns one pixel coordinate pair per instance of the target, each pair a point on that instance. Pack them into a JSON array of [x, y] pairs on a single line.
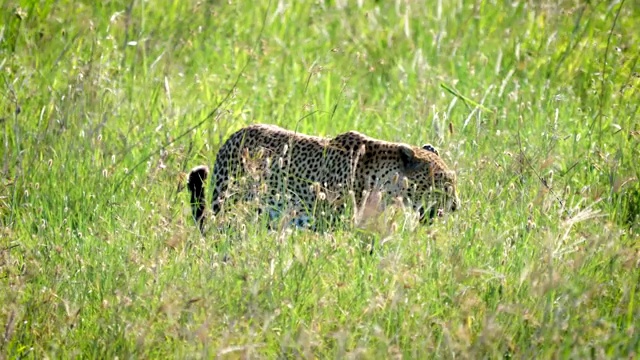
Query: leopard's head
[[430, 184]]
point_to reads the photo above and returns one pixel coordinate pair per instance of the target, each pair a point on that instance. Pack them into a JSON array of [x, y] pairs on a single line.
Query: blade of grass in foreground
[[467, 101]]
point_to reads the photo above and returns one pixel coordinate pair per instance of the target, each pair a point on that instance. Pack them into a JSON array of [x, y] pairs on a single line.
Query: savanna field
[[105, 106]]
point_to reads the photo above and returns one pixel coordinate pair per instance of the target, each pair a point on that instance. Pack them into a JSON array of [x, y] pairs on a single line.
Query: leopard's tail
[[196, 185]]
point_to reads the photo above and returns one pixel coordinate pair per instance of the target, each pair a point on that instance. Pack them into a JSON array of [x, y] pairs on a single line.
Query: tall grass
[[534, 103]]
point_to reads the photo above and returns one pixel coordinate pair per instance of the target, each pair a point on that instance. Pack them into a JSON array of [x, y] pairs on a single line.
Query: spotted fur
[[301, 170]]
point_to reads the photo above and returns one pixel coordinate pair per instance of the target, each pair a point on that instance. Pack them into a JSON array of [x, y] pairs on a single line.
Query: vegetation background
[[105, 105]]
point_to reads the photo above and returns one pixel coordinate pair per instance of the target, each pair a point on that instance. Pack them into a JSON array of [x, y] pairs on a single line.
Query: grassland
[[105, 105]]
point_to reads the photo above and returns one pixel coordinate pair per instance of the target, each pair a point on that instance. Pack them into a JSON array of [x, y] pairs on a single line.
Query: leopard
[[300, 171]]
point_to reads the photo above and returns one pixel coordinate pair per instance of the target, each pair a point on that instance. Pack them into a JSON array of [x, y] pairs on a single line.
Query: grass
[[105, 106]]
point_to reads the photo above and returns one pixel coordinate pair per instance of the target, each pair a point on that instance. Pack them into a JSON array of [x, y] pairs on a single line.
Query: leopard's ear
[[408, 157], [430, 148]]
